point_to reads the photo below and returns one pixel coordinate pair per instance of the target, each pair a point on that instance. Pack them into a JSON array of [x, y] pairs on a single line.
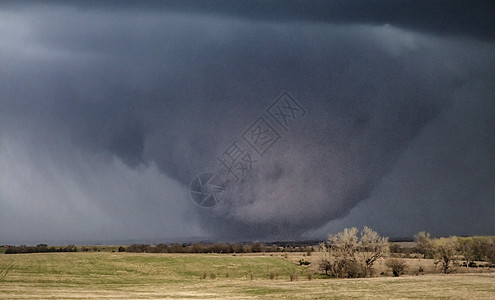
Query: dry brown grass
[[177, 276]]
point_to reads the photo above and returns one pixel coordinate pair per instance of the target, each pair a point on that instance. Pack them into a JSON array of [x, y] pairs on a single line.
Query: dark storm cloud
[[443, 182], [455, 17], [108, 113]]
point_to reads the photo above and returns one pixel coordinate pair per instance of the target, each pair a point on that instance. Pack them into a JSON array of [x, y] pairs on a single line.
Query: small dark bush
[[310, 276], [397, 265], [293, 276]]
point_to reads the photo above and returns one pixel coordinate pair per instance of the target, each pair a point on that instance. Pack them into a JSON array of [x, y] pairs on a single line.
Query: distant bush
[[293, 276], [310, 276], [139, 248], [70, 248], [256, 247], [394, 248], [397, 265], [490, 254]]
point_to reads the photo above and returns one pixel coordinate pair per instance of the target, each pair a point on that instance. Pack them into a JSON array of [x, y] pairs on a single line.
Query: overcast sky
[[110, 109]]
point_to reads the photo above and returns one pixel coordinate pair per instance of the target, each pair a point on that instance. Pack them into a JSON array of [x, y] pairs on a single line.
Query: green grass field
[[107, 275]]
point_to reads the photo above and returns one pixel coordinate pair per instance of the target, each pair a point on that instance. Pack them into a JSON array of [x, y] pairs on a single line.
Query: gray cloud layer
[[107, 115], [456, 17]]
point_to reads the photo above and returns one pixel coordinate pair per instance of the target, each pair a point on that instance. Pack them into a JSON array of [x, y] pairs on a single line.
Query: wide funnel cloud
[[109, 113]]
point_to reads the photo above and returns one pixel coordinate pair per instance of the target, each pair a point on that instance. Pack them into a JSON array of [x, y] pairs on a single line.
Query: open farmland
[[110, 275]]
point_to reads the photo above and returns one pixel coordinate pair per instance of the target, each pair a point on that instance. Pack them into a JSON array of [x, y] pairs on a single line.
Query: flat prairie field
[[107, 275]]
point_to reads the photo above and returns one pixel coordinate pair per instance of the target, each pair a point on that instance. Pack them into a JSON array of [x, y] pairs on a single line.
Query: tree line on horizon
[[218, 248], [40, 248]]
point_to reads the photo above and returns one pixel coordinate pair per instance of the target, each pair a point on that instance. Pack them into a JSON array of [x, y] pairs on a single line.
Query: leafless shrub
[[397, 265], [310, 276], [293, 276]]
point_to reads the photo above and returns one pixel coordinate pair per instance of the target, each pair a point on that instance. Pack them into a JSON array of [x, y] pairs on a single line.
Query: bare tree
[[344, 244], [342, 248], [372, 247], [466, 249], [424, 244], [445, 251], [347, 255]]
